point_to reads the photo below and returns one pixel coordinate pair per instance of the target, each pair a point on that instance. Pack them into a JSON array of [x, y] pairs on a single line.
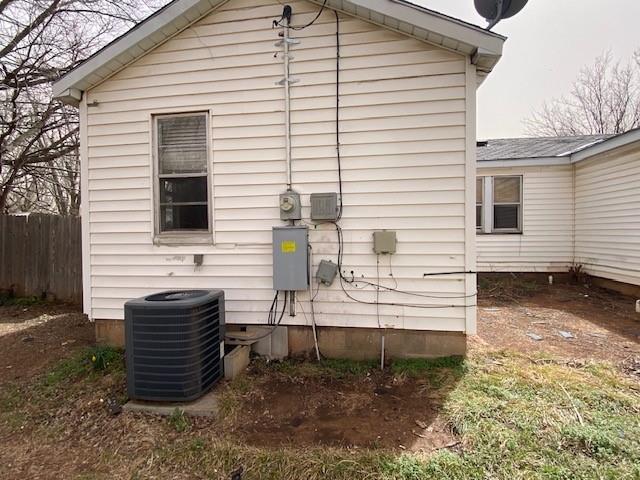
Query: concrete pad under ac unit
[[205, 406]]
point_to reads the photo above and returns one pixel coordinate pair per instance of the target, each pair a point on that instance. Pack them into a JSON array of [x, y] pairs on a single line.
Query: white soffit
[[524, 162]]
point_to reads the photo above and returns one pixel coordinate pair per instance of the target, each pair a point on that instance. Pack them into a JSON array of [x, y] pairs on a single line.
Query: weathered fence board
[[41, 255]]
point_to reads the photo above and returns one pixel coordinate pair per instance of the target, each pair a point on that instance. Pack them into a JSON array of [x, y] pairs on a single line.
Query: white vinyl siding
[[546, 241], [608, 216], [404, 136]]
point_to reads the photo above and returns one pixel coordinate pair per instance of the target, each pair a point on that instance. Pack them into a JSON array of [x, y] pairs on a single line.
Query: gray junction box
[[291, 258], [384, 241], [324, 206], [327, 271]]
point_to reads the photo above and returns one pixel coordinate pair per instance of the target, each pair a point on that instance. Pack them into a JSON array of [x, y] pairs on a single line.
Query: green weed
[[9, 300], [333, 368], [516, 419], [416, 367], [179, 420]]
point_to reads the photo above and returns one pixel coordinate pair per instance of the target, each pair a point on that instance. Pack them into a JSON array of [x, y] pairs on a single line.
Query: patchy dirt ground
[[65, 430], [33, 338], [376, 410], [603, 325]]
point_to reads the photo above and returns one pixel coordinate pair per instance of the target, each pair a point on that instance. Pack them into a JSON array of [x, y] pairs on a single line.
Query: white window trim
[[480, 228], [487, 208], [185, 237]]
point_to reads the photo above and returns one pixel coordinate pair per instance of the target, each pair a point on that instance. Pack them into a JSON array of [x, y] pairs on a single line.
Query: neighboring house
[[206, 73], [545, 204]]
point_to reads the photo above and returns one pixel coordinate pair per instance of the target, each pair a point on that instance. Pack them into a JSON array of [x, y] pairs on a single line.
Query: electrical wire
[[378, 285], [378, 312], [395, 282], [274, 306], [343, 280], [397, 290], [273, 329], [313, 313], [319, 354], [353, 281], [338, 153], [301, 27], [378, 289], [434, 274]]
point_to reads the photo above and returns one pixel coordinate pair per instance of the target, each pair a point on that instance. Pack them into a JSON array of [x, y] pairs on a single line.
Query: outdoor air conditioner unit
[[174, 344]]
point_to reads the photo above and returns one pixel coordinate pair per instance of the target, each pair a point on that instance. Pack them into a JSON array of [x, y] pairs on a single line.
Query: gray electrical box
[[290, 207], [384, 241], [327, 271], [324, 206], [291, 258]]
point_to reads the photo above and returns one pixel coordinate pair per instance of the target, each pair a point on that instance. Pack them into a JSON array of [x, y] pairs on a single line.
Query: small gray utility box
[[290, 258]]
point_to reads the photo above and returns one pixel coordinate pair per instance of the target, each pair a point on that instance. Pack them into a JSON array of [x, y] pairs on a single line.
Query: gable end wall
[[404, 147]]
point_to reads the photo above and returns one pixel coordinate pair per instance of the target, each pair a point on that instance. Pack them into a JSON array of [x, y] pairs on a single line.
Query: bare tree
[[40, 40], [605, 99]]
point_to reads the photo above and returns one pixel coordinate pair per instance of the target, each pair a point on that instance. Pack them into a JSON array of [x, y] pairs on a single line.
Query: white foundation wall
[[546, 241], [608, 216], [405, 155]]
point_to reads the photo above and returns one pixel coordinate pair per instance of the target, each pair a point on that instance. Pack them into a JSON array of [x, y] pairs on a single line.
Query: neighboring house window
[[479, 202], [183, 199], [499, 208], [507, 203]]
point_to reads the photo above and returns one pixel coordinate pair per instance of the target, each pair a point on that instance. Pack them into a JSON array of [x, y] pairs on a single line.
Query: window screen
[[507, 203], [182, 172]]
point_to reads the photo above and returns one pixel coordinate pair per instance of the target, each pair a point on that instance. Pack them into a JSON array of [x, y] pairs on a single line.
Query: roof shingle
[[538, 147]]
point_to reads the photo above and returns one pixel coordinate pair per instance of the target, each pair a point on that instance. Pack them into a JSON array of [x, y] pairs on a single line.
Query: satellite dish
[[496, 10]]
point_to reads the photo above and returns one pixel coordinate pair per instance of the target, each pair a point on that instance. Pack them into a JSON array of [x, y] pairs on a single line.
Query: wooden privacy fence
[[41, 255]]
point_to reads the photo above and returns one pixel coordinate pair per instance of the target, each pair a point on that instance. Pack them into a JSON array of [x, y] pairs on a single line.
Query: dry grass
[[516, 418]]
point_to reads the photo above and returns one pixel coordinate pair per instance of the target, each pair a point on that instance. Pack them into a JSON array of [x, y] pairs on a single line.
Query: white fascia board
[[524, 162], [433, 22], [484, 46], [116, 52], [442, 24], [622, 140], [70, 96]]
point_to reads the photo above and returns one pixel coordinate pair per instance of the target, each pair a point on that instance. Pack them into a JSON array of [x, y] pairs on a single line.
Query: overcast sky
[[549, 41]]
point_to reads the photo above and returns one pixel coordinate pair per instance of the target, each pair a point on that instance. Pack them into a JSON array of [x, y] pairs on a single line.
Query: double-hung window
[[182, 175], [499, 204], [507, 204], [479, 203]]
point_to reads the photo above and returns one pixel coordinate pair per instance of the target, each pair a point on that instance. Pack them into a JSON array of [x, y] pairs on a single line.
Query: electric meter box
[[291, 258], [290, 207]]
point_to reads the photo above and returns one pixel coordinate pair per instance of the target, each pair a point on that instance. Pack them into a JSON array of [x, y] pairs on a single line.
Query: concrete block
[[110, 332], [236, 361], [273, 347], [205, 406], [365, 343]]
